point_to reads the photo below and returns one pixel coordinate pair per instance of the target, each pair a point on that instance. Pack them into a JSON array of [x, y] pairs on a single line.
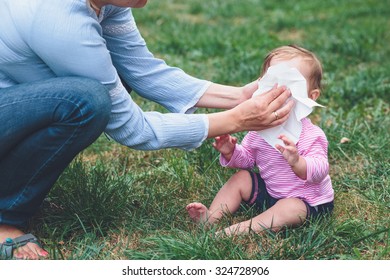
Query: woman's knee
[[86, 103], [94, 97]]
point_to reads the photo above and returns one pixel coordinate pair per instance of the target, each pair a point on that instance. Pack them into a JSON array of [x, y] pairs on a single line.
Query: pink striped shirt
[[280, 180]]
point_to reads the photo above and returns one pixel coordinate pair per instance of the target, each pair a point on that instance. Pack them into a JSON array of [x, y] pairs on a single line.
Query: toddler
[[293, 185]]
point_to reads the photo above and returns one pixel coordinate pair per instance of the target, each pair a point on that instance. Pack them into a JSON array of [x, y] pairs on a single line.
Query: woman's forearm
[[220, 97], [225, 122], [226, 97], [253, 114]]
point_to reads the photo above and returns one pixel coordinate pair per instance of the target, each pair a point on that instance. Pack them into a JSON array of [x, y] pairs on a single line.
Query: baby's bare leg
[[288, 212], [227, 200]]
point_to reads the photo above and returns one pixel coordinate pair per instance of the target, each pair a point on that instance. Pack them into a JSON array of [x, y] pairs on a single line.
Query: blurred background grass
[[117, 203]]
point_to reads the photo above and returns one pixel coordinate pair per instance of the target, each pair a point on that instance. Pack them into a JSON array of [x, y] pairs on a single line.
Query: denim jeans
[[44, 125]]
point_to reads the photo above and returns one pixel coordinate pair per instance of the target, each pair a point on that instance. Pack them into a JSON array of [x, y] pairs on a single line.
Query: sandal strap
[[9, 245], [24, 239]]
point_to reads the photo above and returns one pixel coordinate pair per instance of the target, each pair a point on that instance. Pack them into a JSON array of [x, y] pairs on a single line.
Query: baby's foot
[[198, 212], [30, 251]]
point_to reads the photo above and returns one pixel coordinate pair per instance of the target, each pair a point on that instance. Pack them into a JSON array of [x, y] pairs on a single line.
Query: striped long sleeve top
[[280, 180]]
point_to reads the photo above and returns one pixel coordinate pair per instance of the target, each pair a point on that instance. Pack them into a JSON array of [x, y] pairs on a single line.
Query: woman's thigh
[[44, 125]]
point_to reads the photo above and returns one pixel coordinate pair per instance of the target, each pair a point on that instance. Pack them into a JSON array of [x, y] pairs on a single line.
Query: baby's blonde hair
[[293, 51]]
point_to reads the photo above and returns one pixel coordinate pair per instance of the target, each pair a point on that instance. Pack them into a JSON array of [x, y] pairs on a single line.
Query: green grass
[[117, 203]]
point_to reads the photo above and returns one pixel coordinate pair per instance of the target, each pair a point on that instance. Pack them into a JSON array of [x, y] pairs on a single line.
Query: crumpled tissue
[[283, 74]]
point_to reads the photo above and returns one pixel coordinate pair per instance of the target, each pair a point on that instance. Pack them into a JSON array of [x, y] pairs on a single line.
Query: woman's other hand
[[263, 111]]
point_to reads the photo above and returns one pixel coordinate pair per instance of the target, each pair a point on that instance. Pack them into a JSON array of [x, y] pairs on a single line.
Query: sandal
[[7, 248]]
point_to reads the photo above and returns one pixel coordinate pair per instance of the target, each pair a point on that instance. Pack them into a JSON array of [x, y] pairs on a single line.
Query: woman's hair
[[293, 51]]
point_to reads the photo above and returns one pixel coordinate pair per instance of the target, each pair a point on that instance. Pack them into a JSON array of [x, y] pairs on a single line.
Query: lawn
[[116, 203]]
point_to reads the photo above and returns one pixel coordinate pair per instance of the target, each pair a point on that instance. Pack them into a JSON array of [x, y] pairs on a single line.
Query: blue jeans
[[44, 125]]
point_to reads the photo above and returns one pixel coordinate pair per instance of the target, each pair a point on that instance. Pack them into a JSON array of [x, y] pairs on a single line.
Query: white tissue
[[282, 74]]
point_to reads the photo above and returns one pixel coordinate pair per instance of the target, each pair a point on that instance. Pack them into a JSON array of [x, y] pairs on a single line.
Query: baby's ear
[[314, 94]]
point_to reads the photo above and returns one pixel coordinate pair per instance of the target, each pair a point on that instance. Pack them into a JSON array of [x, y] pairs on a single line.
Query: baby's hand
[[225, 144], [289, 152]]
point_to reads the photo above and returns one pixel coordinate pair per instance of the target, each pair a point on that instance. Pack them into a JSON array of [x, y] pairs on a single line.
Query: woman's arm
[[147, 75], [226, 97], [253, 114], [153, 79], [70, 51]]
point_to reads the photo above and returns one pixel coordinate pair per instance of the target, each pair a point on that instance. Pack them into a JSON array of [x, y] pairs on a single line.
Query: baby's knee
[[242, 183], [242, 175], [292, 206]]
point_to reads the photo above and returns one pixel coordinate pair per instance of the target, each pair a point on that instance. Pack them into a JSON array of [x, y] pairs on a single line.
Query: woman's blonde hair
[[293, 51]]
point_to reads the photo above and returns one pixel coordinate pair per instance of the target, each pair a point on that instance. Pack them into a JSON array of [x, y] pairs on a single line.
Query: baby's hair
[[293, 51]]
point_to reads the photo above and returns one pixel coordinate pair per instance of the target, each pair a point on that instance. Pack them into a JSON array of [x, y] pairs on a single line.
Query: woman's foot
[[198, 212], [30, 251]]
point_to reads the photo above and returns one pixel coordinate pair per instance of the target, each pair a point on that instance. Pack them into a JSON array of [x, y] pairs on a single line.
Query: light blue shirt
[[42, 39]]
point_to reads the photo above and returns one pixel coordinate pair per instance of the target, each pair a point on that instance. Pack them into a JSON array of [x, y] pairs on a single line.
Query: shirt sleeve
[[147, 75], [74, 46], [242, 156], [317, 158]]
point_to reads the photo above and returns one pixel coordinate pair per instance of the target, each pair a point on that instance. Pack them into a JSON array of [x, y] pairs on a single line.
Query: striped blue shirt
[[42, 39]]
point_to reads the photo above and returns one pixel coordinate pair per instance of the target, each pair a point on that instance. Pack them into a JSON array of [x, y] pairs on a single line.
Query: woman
[[60, 63]]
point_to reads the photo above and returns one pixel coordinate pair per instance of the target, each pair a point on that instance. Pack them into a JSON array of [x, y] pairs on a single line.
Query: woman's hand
[[263, 111], [248, 90]]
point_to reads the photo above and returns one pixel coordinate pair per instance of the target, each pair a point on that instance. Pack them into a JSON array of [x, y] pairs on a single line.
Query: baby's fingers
[[279, 148], [287, 141]]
